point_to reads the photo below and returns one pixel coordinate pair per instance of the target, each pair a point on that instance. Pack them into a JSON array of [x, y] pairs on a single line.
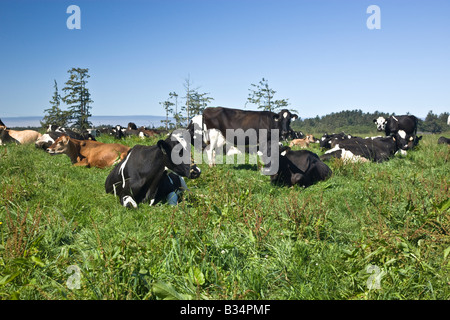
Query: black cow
[[137, 178], [1, 123], [301, 167], [443, 140], [394, 124], [377, 149], [211, 127]]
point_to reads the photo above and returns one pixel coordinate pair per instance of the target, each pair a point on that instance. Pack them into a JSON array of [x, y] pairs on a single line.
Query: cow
[[47, 139], [327, 139], [120, 132], [302, 143], [443, 140], [72, 134], [89, 153], [295, 135], [394, 124], [18, 136], [377, 149], [211, 127], [137, 178], [301, 167], [2, 124]]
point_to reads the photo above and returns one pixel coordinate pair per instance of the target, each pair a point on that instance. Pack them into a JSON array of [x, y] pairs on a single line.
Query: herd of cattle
[[149, 174]]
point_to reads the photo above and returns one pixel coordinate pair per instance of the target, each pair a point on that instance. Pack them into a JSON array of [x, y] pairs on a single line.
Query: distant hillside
[[355, 121]]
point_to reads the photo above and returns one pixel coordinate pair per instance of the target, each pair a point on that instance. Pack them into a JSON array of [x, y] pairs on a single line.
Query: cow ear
[[164, 147], [303, 165], [294, 117], [276, 117], [374, 120]]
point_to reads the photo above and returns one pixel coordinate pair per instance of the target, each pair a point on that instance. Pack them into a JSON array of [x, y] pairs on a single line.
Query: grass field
[[372, 231]]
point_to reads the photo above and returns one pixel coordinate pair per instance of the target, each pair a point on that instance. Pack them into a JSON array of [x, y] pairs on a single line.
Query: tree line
[[356, 121], [181, 108]]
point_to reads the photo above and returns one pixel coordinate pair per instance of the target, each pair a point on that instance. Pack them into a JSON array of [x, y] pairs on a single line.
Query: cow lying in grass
[[302, 143], [143, 177], [89, 153], [301, 167], [17, 136], [378, 149]]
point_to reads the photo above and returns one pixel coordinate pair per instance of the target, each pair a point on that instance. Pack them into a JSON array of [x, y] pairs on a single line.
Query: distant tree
[[54, 115], [199, 101], [167, 105], [78, 98], [196, 102], [175, 114], [263, 96]]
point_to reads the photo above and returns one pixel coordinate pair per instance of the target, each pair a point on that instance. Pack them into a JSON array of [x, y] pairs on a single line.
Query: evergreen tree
[[195, 102], [54, 115], [263, 96], [168, 108], [176, 114], [78, 98]]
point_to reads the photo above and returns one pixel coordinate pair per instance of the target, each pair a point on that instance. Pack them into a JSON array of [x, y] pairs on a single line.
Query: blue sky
[[319, 54]]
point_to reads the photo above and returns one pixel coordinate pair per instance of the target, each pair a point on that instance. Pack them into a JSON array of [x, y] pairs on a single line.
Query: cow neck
[[74, 151]]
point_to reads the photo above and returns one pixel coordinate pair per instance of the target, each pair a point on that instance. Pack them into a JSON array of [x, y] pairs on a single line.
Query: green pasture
[[372, 231]]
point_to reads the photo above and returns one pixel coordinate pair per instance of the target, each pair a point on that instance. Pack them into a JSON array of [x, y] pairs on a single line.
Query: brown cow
[[19, 137], [89, 153], [302, 143]]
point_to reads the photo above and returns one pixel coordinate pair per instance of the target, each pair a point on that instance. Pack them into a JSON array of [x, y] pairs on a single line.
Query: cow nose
[[194, 172]]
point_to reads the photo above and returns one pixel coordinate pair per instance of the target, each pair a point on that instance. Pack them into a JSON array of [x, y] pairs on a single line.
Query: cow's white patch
[[141, 135], [285, 115], [127, 200], [152, 201], [395, 118], [122, 167], [283, 153], [402, 134], [233, 150]]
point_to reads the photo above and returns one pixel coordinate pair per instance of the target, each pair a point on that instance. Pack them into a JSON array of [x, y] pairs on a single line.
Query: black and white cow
[[376, 149], [327, 139], [120, 132], [211, 128], [47, 139], [394, 124], [72, 134], [301, 167], [137, 178]]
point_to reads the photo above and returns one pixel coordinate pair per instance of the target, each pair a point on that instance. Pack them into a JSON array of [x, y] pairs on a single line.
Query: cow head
[[284, 118], [406, 141], [60, 145], [173, 152], [118, 132], [381, 123]]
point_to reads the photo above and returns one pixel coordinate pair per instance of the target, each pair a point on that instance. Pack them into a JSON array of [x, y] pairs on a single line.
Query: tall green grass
[[234, 236]]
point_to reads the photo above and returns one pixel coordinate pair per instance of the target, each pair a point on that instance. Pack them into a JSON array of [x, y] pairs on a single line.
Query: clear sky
[[319, 54]]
